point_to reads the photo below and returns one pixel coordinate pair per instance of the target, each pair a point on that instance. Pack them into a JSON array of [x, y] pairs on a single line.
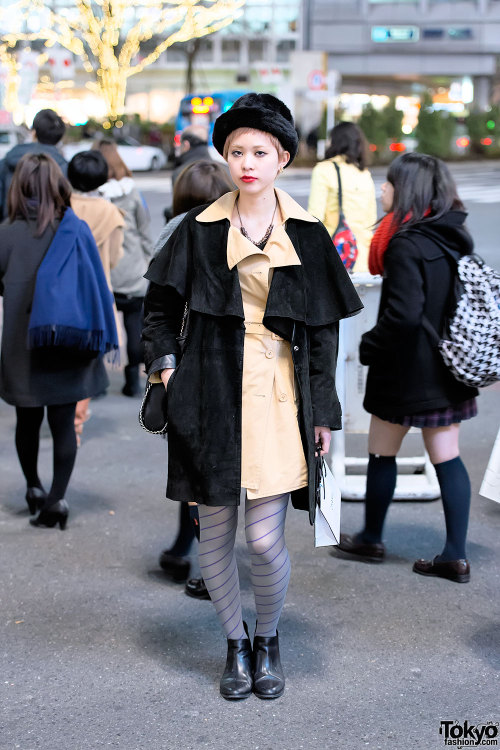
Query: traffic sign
[[316, 80]]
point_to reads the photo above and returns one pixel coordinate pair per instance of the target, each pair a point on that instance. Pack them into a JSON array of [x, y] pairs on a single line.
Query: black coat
[[407, 374], [304, 306], [30, 378], [195, 153]]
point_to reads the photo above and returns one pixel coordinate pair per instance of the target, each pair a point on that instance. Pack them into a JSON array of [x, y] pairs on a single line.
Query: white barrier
[[421, 482]]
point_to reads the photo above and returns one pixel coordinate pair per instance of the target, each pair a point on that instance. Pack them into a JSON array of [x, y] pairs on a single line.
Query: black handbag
[[153, 412]]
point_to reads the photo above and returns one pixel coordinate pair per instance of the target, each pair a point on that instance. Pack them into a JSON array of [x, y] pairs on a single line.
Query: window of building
[[230, 50], [460, 34], [256, 50], [284, 49], [432, 33]]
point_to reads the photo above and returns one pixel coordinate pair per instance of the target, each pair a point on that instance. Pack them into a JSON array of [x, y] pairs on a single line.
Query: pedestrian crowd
[[235, 310]]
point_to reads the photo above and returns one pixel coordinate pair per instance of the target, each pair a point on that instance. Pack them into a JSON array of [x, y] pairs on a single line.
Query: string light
[[94, 31]]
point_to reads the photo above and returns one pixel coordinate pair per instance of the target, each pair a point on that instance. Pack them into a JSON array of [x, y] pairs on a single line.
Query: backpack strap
[[341, 212]]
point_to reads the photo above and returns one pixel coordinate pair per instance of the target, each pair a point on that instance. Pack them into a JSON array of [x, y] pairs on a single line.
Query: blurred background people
[[47, 130], [127, 280], [408, 384], [87, 171], [199, 183], [349, 150], [194, 147], [32, 379]]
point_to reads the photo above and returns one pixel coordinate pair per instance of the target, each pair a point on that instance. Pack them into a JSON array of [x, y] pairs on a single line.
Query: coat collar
[[223, 208], [279, 248]]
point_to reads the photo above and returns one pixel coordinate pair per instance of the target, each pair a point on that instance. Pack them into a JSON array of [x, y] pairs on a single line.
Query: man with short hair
[[48, 129], [194, 147]]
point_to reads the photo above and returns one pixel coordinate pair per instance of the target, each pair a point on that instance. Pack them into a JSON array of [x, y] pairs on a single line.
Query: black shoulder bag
[[153, 411]]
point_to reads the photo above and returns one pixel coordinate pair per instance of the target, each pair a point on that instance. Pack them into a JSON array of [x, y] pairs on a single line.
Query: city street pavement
[[99, 650]]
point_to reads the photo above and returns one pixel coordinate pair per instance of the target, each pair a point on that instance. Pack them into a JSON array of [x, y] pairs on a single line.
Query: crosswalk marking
[[473, 189]]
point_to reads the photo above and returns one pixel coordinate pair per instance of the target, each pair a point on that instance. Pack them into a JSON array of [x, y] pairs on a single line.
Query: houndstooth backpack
[[470, 345]]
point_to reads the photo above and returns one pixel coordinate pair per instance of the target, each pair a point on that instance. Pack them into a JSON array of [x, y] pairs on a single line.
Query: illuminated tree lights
[[114, 39]]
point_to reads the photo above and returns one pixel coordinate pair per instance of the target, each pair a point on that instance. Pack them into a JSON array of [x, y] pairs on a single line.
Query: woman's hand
[[323, 436], [165, 375]]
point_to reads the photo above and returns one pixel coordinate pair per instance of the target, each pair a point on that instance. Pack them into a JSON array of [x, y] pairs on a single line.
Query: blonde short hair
[[243, 131]]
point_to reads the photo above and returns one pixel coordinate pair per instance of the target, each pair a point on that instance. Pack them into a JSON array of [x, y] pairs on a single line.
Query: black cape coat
[[407, 374], [304, 306]]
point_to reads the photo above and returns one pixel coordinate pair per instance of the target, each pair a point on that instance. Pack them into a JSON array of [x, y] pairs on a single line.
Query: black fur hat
[[260, 111]]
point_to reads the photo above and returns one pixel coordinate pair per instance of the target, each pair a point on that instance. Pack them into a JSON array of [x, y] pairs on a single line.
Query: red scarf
[[380, 240]]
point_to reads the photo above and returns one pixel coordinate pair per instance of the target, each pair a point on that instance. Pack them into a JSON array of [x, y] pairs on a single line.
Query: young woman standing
[[408, 384], [254, 392]]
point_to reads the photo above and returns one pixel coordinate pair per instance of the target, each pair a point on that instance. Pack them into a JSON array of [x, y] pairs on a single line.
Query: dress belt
[[261, 329]]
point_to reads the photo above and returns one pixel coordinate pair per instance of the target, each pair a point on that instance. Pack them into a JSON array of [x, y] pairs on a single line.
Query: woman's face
[[387, 196], [254, 162]]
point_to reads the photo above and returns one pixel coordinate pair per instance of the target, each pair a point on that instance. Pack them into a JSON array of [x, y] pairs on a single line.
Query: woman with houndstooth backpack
[[416, 249]]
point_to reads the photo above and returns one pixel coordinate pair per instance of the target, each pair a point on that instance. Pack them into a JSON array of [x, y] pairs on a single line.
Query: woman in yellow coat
[[348, 149]]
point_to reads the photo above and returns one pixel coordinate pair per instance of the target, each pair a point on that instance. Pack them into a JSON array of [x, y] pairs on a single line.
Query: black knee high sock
[[455, 492], [29, 421], [195, 520], [185, 534], [380, 485], [61, 419]]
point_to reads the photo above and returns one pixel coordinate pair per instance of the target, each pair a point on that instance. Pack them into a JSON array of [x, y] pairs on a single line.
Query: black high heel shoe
[[35, 497], [236, 682], [57, 513], [268, 677]]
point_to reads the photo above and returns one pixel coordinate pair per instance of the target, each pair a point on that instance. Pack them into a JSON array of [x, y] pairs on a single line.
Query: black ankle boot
[[56, 513], [236, 682], [268, 677], [35, 497], [131, 387]]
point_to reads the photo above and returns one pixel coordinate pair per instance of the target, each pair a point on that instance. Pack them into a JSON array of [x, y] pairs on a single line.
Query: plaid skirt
[[438, 417]]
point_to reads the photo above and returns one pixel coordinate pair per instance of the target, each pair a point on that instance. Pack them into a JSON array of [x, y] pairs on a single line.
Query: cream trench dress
[[272, 455]]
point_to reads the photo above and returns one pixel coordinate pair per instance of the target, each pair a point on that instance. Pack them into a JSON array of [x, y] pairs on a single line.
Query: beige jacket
[[272, 455], [358, 202], [106, 223]]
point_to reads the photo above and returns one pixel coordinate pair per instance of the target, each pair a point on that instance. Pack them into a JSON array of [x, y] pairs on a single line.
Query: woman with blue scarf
[[58, 322]]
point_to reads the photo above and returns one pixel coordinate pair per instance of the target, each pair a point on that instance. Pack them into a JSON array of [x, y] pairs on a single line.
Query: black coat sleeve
[[403, 300], [163, 311], [323, 352], [169, 276]]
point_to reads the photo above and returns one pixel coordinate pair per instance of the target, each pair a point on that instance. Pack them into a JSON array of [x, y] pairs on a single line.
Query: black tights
[[61, 422]]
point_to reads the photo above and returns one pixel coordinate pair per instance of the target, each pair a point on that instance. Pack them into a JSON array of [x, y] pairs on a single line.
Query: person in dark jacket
[[48, 129], [194, 146], [253, 397], [408, 384], [32, 379]]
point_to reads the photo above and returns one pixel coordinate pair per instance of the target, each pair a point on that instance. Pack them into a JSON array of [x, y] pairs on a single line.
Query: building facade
[[396, 47]]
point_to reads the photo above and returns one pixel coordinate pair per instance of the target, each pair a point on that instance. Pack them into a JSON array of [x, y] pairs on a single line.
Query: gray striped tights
[[270, 564]]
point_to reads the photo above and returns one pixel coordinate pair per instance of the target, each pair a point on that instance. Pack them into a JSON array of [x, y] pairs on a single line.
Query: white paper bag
[[327, 520], [491, 483]]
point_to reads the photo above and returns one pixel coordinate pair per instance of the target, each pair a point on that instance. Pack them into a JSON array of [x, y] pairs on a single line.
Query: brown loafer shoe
[[454, 570], [374, 552]]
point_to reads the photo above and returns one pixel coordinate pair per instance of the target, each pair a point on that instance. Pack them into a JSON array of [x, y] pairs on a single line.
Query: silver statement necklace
[[261, 244]]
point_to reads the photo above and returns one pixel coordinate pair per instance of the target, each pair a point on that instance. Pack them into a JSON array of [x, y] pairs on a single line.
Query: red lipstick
[[248, 178]]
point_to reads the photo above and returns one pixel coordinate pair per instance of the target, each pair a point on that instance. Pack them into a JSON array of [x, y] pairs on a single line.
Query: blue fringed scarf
[[72, 304]]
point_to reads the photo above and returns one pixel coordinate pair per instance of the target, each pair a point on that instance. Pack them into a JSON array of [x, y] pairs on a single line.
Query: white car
[[137, 157]]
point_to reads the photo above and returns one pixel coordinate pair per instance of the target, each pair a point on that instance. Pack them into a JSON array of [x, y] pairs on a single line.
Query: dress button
[[269, 354], [282, 396]]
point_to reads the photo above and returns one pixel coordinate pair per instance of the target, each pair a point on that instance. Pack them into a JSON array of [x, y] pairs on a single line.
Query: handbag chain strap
[[184, 318]]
